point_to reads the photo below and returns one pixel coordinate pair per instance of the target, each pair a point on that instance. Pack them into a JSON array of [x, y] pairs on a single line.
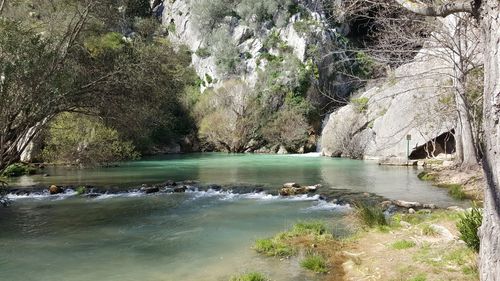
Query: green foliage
[[426, 176], [315, 263], [371, 216], [81, 190], [468, 227], [19, 169], [203, 52], [208, 78], [146, 27], [272, 40], [209, 14], [364, 65], [226, 53], [289, 128], [361, 104], [256, 12], [403, 245], [252, 276], [84, 140], [109, 42]]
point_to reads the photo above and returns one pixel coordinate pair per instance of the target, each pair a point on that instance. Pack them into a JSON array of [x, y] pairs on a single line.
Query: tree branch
[[2, 5], [438, 10]]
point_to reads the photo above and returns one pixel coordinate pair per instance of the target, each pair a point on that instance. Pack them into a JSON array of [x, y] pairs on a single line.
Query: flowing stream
[[177, 237]]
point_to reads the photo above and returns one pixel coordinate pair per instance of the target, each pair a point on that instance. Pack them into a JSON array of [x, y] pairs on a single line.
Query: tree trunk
[[490, 230], [468, 155]]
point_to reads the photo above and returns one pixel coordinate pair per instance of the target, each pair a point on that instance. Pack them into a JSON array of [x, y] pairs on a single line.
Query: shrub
[[209, 14], [18, 169], [403, 244], [226, 53], [289, 128], [371, 216], [258, 11], [315, 263], [100, 45], [468, 226], [85, 140], [252, 276]]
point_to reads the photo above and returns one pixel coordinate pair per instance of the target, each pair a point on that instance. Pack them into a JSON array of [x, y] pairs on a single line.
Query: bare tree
[[487, 14]]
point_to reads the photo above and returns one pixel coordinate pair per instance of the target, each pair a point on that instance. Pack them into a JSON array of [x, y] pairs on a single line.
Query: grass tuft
[[428, 230], [371, 216], [403, 244], [315, 263], [252, 276]]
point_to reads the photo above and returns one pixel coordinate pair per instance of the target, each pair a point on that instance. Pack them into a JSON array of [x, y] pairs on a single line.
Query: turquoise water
[[268, 170], [181, 237]]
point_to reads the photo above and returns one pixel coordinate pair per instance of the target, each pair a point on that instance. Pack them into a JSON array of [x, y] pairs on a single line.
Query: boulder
[[411, 211], [291, 184], [53, 189], [406, 204]]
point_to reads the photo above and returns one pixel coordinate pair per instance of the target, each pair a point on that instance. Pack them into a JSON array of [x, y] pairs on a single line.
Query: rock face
[[409, 102], [180, 20]]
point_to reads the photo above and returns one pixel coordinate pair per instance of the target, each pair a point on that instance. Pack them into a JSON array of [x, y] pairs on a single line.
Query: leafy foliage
[[19, 169], [74, 138], [469, 225]]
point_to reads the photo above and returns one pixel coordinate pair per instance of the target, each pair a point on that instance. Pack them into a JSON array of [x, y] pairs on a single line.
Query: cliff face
[[306, 33], [412, 101]]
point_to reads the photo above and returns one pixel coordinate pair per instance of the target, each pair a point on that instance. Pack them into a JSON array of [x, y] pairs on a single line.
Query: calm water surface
[[176, 237]]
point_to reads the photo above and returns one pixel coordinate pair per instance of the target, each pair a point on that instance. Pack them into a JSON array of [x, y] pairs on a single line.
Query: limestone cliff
[[413, 100]]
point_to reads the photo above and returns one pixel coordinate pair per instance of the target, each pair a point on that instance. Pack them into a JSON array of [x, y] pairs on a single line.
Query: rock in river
[[53, 189]]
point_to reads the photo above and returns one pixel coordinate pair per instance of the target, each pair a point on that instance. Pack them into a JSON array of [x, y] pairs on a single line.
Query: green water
[[181, 237], [269, 170]]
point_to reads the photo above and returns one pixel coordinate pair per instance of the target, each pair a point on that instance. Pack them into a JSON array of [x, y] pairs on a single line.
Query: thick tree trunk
[[490, 230]]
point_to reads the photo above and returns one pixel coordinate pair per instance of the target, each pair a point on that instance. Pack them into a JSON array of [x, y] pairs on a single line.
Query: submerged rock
[[406, 204], [53, 189]]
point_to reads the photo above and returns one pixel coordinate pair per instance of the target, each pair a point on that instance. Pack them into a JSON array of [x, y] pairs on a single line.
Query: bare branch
[[437, 10]]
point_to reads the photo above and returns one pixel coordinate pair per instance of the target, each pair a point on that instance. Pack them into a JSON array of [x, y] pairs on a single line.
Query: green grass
[[308, 228], [315, 263], [426, 176], [282, 245], [274, 247], [403, 244], [371, 216], [252, 276]]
